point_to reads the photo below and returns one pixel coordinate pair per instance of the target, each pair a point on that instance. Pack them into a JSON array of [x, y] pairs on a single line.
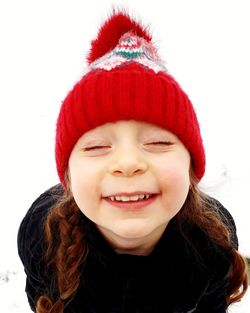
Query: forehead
[[126, 127]]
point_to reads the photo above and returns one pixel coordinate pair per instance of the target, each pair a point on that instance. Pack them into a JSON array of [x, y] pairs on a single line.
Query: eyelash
[[159, 143], [95, 147], [165, 143]]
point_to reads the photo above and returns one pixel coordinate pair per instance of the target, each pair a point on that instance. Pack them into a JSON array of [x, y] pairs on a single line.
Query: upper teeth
[[126, 198]]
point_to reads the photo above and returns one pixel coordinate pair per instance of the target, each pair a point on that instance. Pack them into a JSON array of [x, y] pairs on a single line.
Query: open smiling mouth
[[133, 202]]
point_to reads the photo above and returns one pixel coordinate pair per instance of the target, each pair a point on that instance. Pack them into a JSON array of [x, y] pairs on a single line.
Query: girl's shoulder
[[226, 217], [31, 243], [35, 216], [31, 227], [45, 201]]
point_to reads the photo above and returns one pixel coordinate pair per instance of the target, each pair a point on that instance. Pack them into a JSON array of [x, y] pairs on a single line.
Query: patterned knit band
[[128, 81]]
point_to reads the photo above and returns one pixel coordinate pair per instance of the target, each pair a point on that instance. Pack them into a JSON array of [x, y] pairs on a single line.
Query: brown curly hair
[[69, 249]]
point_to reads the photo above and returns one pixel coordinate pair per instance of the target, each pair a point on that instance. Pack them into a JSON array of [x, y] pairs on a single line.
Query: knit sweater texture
[[177, 277]]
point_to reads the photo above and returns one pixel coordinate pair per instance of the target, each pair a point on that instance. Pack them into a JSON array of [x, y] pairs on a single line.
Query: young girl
[[128, 229]]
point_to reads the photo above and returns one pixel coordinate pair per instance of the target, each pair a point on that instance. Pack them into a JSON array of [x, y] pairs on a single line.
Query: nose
[[128, 162]]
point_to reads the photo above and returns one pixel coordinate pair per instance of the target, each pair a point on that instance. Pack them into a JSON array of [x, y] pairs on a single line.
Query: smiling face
[[130, 178]]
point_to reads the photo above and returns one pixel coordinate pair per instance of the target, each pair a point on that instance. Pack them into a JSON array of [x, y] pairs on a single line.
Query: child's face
[[130, 158]]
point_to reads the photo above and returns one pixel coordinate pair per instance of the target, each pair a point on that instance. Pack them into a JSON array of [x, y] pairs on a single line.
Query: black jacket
[[172, 279]]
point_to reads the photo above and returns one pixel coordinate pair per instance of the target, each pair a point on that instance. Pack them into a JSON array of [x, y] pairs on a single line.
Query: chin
[[133, 230], [131, 234]]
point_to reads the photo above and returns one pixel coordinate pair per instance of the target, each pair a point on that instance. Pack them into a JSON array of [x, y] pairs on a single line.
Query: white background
[[43, 45]]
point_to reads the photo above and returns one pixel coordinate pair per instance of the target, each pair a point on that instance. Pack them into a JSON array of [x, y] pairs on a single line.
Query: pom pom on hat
[[126, 80], [111, 31]]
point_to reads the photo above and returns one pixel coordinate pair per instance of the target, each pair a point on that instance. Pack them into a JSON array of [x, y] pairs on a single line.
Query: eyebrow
[[158, 131], [94, 135]]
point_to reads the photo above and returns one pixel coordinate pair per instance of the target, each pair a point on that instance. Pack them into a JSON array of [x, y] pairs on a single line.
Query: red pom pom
[[110, 33]]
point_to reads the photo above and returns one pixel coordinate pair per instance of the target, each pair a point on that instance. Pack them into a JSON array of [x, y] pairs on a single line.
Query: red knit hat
[[126, 80]]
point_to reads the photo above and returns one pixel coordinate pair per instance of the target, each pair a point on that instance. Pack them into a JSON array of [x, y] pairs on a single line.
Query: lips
[[131, 201], [124, 198]]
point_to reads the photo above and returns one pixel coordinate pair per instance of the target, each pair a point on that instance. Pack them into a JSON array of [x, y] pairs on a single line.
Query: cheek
[[86, 197], [175, 169], [175, 182], [83, 185]]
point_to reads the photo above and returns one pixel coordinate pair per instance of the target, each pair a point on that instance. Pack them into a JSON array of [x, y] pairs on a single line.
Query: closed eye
[[158, 146], [95, 148], [164, 143]]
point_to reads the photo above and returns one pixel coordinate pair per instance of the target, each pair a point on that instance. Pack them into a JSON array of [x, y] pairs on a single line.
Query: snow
[[43, 46]]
